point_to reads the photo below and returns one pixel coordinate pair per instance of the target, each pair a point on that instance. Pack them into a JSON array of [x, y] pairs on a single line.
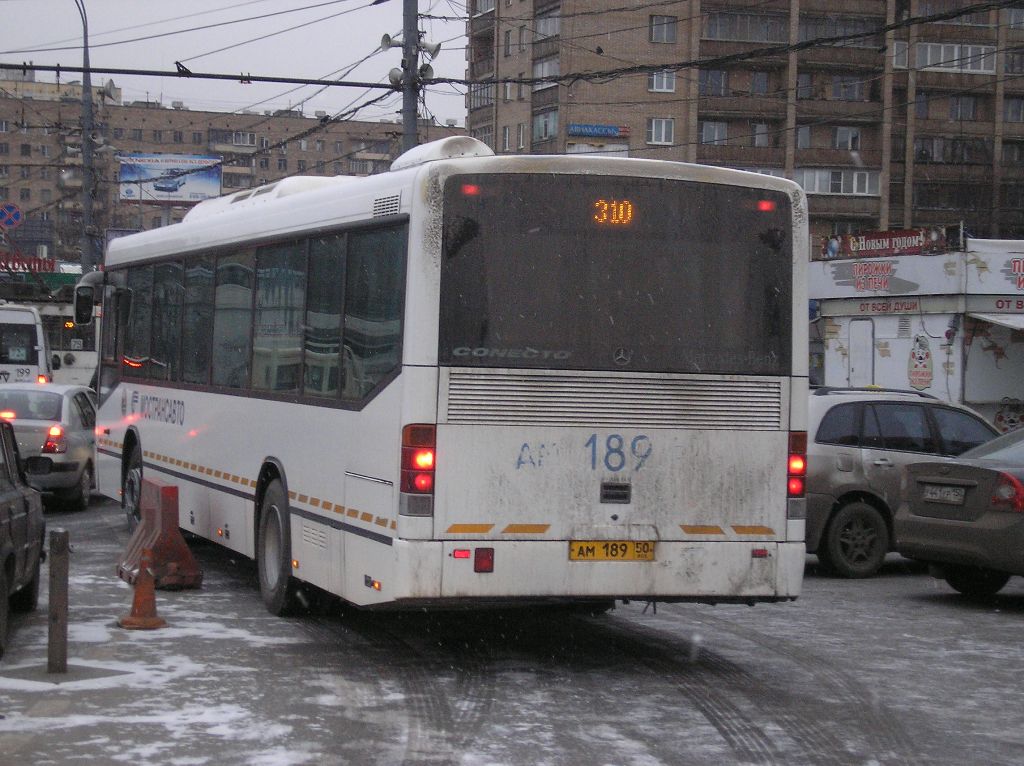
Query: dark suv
[[21, 535], [859, 442]]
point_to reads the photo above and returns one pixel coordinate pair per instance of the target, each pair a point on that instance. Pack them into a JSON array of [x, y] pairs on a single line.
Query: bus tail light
[[418, 463], [42, 379], [796, 468], [55, 443]]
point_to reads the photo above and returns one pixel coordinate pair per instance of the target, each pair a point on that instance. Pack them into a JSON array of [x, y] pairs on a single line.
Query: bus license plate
[[937, 493], [611, 550]]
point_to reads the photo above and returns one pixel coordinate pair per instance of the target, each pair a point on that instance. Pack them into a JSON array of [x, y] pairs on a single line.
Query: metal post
[[57, 641], [410, 73], [88, 260]]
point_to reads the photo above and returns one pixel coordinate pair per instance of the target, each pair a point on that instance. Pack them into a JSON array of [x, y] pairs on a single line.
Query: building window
[[661, 82], [264, 163], [197, 137], [661, 130], [1013, 153], [713, 82], [545, 125], [118, 133], [548, 67], [303, 145], [921, 105], [508, 42], [978, 59], [337, 147], [506, 138], [962, 107], [301, 166], [26, 171], [481, 95], [846, 138], [319, 145], [804, 85], [282, 163], [44, 150], [158, 136], [746, 27], [521, 136], [759, 134], [522, 39], [845, 181], [931, 7], [5, 126], [521, 87], [1013, 111], [662, 29], [25, 195], [178, 137], [1015, 18], [507, 91], [759, 83], [846, 87], [46, 195], [136, 134], [547, 25], [815, 27], [4, 171], [714, 133], [26, 150]]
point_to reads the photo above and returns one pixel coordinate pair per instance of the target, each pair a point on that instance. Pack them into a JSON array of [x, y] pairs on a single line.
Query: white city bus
[[474, 380], [24, 352]]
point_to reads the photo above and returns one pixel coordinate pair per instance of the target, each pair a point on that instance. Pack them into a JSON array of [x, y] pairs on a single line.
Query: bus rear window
[[615, 273], [18, 344]]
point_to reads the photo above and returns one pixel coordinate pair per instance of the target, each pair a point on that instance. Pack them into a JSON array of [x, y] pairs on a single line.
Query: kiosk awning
[[1013, 321]]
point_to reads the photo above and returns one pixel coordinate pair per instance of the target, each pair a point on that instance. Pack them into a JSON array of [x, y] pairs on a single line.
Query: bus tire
[[131, 489], [273, 552], [856, 541]]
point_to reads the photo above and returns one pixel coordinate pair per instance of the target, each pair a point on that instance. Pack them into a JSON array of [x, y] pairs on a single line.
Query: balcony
[[838, 158], [742, 105], [846, 112], [481, 68], [840, 205], [741, 156]]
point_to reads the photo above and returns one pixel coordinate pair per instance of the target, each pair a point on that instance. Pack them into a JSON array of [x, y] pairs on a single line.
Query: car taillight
[[418, 455], [55, 441], [1008, 494], [796, 468]]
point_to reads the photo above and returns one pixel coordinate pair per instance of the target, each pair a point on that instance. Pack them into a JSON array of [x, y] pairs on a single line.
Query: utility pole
[[88, 174], [410, 73]]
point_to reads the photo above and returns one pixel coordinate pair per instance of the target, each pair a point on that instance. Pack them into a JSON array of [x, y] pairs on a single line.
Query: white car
[[55, 427]]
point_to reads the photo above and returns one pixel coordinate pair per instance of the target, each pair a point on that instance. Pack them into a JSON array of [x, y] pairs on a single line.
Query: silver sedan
[[55, 427]]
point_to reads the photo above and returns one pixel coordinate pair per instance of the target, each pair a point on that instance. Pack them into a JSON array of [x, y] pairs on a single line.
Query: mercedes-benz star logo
[[622, 356]]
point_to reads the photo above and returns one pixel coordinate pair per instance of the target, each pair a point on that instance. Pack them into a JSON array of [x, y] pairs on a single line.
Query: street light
[[88, 257]]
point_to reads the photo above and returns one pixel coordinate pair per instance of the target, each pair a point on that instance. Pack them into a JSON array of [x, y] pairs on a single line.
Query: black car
[[21, 535]]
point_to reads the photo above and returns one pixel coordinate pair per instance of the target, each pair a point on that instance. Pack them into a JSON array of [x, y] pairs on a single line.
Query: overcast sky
[[321, 42]]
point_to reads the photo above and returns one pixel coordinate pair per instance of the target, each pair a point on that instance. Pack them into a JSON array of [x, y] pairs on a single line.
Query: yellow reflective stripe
[[753, 530], [526, 529], [701, 529], [469, 529]]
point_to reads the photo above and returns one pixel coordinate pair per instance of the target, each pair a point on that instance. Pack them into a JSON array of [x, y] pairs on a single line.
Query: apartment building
[[41, 156], [921, 125]]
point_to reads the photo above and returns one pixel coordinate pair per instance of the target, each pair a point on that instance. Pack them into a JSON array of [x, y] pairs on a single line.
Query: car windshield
[[30, 405], [1008, 447]]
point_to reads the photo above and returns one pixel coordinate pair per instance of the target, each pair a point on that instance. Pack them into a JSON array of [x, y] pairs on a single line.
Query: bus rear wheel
[[131, 489], [273, 552]]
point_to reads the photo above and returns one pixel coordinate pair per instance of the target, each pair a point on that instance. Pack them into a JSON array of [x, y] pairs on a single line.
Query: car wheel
[[27, 599], [975, 581], [5, 611], [273, 550], [131, 491], [78, 499], [856, 541]]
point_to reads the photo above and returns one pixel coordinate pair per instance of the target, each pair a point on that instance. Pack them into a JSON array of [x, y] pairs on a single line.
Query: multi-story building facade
[[920, 125], [41, 156]]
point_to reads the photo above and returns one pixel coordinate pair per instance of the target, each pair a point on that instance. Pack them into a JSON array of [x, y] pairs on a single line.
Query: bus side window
[[374, 300]]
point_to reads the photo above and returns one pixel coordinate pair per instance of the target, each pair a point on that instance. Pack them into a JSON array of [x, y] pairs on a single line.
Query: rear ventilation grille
[[387, 205], [490, 397]]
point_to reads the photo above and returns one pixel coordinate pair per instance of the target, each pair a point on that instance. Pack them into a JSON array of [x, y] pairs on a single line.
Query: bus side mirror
[[85, 299]]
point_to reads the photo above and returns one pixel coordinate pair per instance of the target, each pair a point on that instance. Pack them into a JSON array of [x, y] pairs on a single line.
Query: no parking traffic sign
[[10, 215]]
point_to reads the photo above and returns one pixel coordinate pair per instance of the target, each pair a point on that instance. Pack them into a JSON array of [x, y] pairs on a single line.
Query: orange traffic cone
[[143, 615]]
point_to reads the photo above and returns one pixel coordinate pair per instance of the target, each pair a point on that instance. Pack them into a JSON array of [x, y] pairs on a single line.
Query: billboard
[[168, 178]]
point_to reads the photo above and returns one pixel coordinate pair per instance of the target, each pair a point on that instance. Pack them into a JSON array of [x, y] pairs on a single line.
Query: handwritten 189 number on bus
[[616, 454]]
